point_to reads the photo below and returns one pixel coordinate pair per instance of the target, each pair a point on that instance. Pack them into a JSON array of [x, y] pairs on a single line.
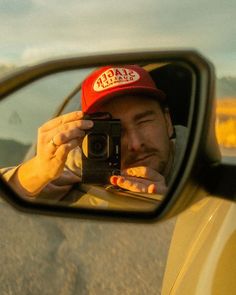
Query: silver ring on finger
[[53, 143]]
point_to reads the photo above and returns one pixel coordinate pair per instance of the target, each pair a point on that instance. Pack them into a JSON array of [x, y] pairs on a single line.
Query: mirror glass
[[124, 160]]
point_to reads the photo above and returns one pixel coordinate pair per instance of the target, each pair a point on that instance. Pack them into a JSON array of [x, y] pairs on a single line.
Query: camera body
[[101, 151]]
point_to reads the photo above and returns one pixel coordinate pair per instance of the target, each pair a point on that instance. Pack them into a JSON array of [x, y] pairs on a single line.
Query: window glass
[[25, 110]]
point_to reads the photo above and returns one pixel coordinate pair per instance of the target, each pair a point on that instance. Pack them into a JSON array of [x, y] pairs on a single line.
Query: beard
[[149, 157]]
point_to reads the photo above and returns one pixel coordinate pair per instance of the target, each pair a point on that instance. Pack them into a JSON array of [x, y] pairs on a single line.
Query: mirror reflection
[[111, 137]]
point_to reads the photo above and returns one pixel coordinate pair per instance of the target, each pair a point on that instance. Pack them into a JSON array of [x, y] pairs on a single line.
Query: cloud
[[34, 54], [40, 28]]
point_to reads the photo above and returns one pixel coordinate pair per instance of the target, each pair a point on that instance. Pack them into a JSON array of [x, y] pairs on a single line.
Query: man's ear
[[169, 125]]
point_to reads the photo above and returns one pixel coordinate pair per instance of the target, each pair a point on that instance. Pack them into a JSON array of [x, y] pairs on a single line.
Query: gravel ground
[[51, 255]]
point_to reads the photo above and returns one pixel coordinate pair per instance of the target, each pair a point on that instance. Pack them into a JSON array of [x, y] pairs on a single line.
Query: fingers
[[79, 124], [140, 179], [143, 172], [66, 136], [63, 133], [67, 118], [63, 150], [134, 185]]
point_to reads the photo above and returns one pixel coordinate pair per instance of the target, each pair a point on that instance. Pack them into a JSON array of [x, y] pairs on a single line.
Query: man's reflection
[[148, 145]]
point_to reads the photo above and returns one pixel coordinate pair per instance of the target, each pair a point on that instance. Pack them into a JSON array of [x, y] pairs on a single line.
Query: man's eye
[[145, 121]]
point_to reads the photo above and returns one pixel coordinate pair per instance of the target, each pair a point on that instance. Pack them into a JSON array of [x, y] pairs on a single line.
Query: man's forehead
[[131, 107], [130, 100]]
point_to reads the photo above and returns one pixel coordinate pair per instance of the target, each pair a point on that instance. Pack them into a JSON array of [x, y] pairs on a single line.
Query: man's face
[[146, 130]]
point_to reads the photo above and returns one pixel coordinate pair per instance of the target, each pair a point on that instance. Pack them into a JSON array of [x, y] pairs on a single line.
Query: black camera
[[101, 149]]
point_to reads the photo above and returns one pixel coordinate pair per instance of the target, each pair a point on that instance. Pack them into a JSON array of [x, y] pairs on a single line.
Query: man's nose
[[134, 140]]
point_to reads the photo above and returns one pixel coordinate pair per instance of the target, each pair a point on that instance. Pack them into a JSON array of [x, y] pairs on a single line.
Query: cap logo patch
[[114, 77]]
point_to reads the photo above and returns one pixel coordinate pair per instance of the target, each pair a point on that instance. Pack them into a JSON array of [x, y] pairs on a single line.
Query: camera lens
[[97, 146]]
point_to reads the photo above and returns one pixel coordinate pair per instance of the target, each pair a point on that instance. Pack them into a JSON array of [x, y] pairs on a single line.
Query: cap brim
[[153, 92]]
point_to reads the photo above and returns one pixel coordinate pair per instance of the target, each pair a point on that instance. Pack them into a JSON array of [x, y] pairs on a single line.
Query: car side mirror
[[33, 95]]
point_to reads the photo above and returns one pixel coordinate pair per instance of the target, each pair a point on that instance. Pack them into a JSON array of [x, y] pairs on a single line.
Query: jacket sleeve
[[58, 188]]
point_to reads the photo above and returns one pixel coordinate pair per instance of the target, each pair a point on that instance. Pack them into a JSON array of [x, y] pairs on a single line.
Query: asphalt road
[[51, 255]]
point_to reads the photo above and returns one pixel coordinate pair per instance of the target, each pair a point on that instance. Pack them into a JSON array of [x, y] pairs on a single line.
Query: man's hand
[[56, 138], [140, 179]]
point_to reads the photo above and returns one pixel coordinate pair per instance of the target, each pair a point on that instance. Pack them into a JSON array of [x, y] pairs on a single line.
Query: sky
[[34, 30]]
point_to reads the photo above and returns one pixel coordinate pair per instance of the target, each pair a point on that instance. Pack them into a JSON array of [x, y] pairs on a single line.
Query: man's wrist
[[28, 180]]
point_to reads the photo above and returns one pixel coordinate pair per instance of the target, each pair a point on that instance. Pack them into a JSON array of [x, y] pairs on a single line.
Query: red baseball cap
[[110, 81]]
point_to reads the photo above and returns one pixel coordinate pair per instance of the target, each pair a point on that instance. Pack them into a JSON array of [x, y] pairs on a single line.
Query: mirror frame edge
[[179, 197]]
